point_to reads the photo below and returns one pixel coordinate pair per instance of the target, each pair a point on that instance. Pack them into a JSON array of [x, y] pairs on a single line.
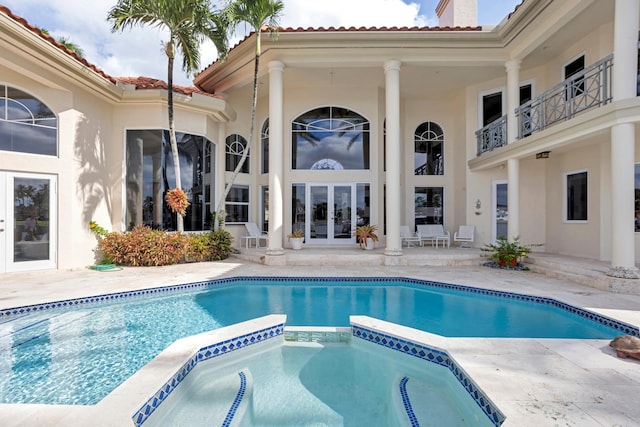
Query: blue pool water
[[314, 384], [78, 354]]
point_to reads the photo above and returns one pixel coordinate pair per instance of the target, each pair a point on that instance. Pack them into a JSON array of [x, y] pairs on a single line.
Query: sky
[[138, 52]]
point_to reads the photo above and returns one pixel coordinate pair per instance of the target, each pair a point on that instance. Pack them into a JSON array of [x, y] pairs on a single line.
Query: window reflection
[[150, 174], [429, 151], [27, 125], [31, 214], [330, 138]]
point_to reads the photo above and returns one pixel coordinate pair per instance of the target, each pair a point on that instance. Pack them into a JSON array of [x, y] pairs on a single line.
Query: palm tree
[[256, 13], [66, 42], [188, 23]]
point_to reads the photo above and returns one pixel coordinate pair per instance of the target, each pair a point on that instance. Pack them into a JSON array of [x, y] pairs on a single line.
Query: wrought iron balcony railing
[[492, 136], [590, 88]]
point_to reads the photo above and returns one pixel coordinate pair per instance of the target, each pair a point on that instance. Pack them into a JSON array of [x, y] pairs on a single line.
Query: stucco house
[[526, 128]]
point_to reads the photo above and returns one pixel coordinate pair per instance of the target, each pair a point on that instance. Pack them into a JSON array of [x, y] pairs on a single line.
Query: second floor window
[[428, 155], [235, 147]]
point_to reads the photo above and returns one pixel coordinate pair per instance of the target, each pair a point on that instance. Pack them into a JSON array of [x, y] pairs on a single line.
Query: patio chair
[[434, 233], [254, 233], [406, 236], [465, 235]]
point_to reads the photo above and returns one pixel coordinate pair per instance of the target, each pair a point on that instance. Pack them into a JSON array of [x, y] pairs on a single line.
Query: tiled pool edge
[[205, 353], [382, 337], [624, 328]]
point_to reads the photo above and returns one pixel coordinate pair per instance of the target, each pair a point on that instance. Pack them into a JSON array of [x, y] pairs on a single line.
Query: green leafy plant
[[296, 234], [99, 231], [507, 253], [212, 246], [364, 232]]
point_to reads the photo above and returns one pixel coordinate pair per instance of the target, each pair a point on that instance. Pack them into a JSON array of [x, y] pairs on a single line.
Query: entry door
[[28, 221], [330, 208], [500, 214]]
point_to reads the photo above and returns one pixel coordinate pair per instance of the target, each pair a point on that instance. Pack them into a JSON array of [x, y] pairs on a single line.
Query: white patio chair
[[406, 236], [465, 235], [254, 233], [434, 233]]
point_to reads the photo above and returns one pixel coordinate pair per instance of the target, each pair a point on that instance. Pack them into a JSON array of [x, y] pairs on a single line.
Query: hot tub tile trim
[[203, 354], [437, 356]]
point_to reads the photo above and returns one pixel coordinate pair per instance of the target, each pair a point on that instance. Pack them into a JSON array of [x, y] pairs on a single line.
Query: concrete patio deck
[[535, 382]]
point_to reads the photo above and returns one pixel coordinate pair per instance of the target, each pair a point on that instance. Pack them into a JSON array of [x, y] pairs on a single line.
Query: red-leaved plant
[[177, 201]]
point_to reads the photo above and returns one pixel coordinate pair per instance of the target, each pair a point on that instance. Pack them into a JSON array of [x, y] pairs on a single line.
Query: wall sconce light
[[543, 155], [478, 204]]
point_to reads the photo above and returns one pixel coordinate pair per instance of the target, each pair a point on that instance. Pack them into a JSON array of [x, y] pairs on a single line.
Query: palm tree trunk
[[245, 153], [172, 129]]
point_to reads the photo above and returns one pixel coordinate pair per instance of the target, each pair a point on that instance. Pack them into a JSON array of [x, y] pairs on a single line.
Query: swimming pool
[[77, 351]]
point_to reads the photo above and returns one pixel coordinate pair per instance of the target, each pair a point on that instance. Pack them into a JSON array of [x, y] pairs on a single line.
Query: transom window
[[27, 125], [428, 155], [330, 138], [235, 147]]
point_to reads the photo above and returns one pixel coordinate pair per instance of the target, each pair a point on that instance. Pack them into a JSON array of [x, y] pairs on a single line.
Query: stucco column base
[[393, 252], [624, 272], [275, 252], [275, 258]]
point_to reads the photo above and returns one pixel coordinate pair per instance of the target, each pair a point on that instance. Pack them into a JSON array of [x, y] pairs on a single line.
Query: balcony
[[586, 90]]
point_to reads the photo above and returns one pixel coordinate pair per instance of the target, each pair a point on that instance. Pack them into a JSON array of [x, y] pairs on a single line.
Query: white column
[[513, 98], [276, 164], [394, 200], [513, 196], [625, 41]]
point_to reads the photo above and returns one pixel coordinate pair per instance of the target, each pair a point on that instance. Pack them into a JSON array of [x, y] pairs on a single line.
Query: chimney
[[458, 13]]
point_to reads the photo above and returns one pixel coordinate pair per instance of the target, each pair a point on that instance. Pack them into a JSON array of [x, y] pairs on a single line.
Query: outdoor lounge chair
[[434, 233], [406, 236], [465, 235], [253, 233]]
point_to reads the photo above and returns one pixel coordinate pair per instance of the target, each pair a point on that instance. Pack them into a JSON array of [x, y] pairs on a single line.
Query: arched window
[[235, 147], [428, 156], [27, 125], [264, 138], [330, 138]]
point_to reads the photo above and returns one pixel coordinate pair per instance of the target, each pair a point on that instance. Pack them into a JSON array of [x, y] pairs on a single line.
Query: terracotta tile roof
[[151, 83], [516, 8], [139, 82]]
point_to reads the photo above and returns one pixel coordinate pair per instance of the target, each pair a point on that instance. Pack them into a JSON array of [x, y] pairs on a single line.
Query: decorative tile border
[[438, 357], [236, 402], [406, 402], [203, 354], [624, 328]]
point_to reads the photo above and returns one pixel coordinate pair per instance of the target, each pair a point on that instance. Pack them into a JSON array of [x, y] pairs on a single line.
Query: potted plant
[[366, 236], [296, 237], [505, 253]]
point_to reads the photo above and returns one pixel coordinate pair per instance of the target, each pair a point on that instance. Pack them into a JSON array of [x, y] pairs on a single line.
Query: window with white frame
[[237, 204], [428, 205], [576, 196], [428, 154], [235, 147], [27, 125]]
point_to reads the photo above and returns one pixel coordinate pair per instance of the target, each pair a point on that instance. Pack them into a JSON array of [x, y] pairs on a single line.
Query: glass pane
[[31, 213], [429, 205], [577, 197], [25, 138], [265, 147], [319, 204], [330, 138], [265, 207], [502, 211], [363, 204], [298, 207], [342, 212]]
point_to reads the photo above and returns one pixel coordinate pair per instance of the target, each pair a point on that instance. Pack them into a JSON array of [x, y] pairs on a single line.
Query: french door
[[330, 208], [500, 214], [28, 218]]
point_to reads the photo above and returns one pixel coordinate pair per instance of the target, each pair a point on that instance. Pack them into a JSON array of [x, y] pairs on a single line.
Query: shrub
[[506, 253], [212, 246], [143, 246]]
